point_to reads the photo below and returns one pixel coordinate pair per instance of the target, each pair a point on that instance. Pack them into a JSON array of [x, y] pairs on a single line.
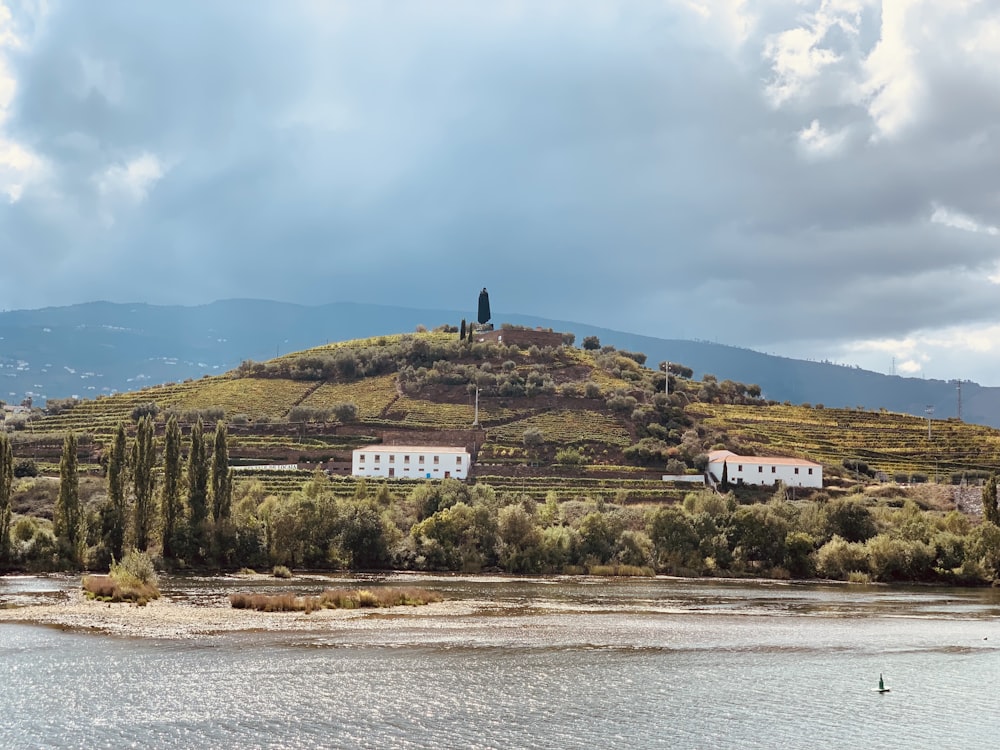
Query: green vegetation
[[131, 580], [570, 448]]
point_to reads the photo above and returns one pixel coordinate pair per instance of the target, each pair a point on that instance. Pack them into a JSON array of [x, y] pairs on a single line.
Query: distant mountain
[[100, 347]]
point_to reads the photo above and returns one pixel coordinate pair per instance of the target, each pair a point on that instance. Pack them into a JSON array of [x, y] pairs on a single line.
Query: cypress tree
[[222, 478], [990, 511], [6, 484], [198, 484], [116, 478], [461, 333], [143, 482], [484, 307], [171, 500], [67, 521]]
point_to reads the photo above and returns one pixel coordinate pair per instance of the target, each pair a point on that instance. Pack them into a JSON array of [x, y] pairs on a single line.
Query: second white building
[[764, 470], [411, 462]]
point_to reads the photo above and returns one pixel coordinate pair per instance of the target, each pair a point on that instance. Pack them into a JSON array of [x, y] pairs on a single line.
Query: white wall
[[406, 463], [760, 472]]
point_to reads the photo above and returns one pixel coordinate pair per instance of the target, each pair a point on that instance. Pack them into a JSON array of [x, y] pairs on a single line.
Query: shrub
[[570, 457], [148, 409], [281, 571], [131, 580], [25, 467]]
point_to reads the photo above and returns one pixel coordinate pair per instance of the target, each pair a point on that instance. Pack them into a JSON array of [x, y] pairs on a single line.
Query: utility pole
[[930, 413], [475, 422], [959, 389], [666, 378]]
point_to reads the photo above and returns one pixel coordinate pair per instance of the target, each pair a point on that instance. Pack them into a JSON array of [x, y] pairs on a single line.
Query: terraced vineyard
[[426, 414], [565, 427], [100, 417], [888, 442], [573, 488], [254, 397], [371, 395]]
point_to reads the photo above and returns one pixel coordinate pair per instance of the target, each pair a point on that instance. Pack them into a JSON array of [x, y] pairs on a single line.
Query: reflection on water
[[554, 663]]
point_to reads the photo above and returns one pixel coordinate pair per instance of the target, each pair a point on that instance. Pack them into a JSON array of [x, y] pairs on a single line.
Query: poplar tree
[[67, 521], [116, 479], [143, 482], [222, 477], [198, 485], [172, 507], [990, 511], [6, 484]]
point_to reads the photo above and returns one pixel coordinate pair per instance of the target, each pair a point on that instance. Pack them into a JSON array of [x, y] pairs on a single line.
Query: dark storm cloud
[[755, 173]]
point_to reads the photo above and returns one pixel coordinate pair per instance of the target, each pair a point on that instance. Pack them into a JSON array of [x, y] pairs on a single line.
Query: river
[[535, 663]]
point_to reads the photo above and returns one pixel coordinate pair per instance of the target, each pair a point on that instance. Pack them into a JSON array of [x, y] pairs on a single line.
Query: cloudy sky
[[818, 178]]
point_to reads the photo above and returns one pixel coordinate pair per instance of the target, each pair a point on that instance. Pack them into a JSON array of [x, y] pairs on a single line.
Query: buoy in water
[[881, 685]]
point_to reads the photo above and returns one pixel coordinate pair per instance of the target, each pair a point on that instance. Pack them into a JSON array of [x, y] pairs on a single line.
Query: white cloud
[[18, 165], [816, 142], [958, 220], [132, 180], [129, 183], [893, 86]]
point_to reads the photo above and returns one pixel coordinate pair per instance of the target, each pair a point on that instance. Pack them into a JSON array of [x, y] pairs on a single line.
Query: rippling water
[[558, 663]]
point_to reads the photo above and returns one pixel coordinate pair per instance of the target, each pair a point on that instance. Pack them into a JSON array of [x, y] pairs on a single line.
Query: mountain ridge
[[101, 347]]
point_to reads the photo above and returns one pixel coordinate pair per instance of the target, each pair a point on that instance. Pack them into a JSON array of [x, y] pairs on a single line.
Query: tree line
[[187, 511]]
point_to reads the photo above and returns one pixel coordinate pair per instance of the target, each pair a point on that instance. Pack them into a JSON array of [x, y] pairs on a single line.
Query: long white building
[[411, 462], [764, 470]]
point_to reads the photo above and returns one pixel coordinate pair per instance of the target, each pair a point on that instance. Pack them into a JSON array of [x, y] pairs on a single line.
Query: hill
[[102, 348], [552, 417]]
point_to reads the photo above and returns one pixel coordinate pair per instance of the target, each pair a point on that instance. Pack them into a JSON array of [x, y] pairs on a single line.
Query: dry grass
[[335, 599], [621, 570], [107, 589]]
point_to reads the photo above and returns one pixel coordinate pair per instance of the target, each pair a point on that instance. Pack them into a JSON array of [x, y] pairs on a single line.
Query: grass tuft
[[639, 571], [131, 580]]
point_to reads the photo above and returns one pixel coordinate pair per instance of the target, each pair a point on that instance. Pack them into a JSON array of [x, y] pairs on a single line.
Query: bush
[[591, 343], [281, 571], [131, 580], [148, 409], [25, 467], [570, 457]]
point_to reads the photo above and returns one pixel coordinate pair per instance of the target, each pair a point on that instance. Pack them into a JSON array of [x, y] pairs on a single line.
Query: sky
[[818, 179]]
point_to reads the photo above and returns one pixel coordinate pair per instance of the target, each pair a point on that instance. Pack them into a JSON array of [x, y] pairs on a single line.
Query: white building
[[411, 462], [764, 470]]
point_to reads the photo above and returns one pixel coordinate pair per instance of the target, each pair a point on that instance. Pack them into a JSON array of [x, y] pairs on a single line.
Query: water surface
[[536, 663]]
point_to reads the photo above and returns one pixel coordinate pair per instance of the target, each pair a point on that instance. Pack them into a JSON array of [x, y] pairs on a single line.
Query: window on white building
[[458, 460]]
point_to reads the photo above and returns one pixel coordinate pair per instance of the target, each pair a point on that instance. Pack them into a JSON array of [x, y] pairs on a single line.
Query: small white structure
[[764, 470], [411, 462]]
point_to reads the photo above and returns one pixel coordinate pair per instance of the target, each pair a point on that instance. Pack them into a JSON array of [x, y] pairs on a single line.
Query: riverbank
[[174, 618]]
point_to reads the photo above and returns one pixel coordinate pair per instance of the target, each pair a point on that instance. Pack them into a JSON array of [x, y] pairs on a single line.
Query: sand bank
[[167, 618]]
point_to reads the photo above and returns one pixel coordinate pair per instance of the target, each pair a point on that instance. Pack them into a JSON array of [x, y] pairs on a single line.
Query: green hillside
[[570, 447], [549, 416]]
